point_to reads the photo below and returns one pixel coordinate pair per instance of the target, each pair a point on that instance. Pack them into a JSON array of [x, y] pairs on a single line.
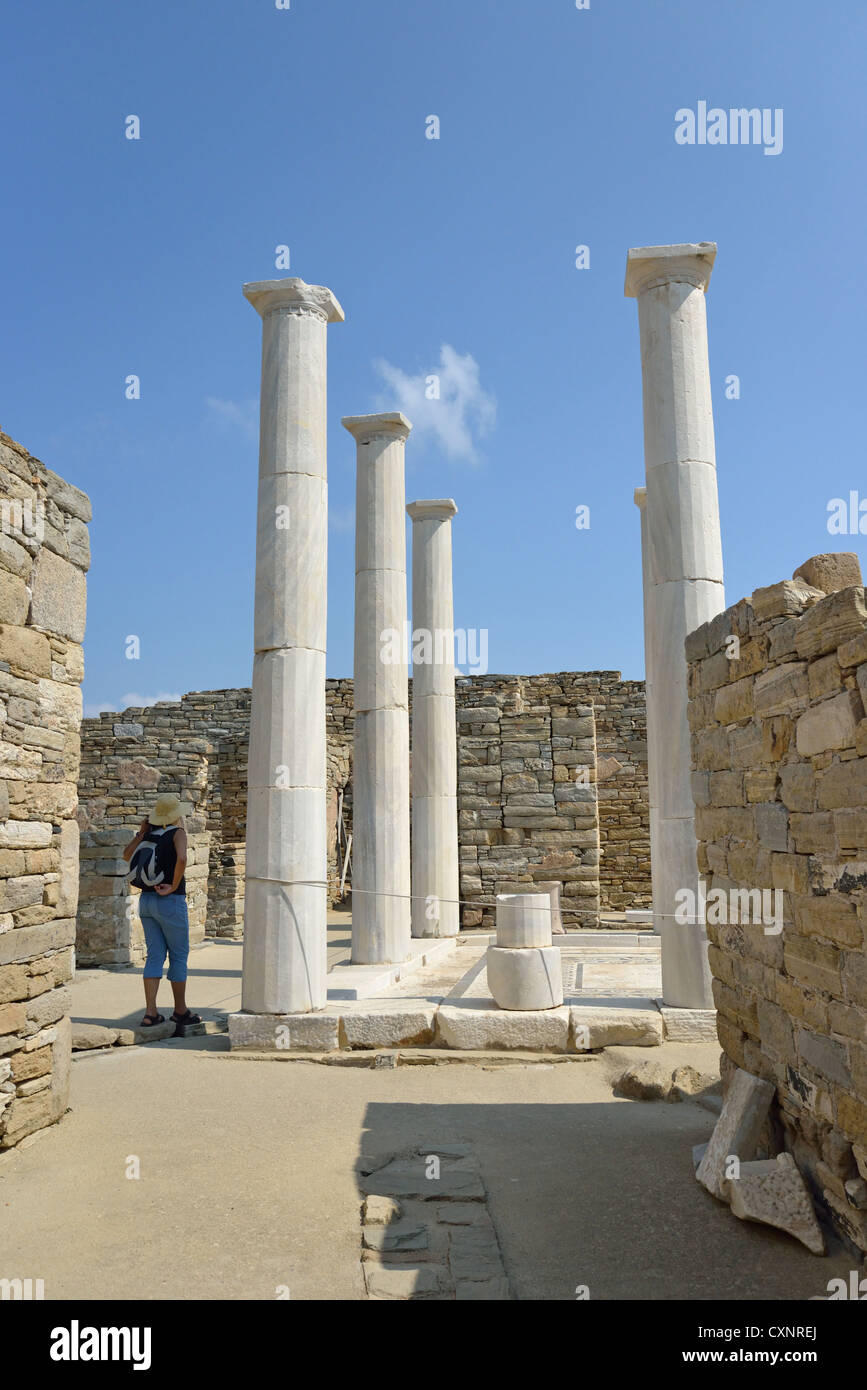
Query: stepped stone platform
[[441, 1000]]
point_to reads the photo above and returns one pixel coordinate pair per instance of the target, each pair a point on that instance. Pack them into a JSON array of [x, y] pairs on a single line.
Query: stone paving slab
[[426, 1229]]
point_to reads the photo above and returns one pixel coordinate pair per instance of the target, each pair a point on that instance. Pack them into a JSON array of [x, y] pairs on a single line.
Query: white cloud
[[462, 415], [341, 518], [131, 700], [243, 415]]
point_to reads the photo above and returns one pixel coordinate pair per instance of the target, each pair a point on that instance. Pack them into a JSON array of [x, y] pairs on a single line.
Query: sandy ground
[[247, 1176]]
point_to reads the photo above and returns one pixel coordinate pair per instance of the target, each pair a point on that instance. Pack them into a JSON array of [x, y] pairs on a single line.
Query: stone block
[[779, 690], [772, 1192], [607, 1026], [780, 600], [471, 1028], [843, 784], [402, 1024], [745, 1110], [14, 599], [828, 573], [59, 597], [313, 1032], [829, 725], [25, 650], [835, 619]]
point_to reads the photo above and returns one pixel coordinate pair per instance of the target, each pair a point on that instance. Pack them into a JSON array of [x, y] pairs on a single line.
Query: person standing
[[157, 857]]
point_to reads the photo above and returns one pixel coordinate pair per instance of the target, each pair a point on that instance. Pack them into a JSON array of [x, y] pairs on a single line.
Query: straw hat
[[167, 809]]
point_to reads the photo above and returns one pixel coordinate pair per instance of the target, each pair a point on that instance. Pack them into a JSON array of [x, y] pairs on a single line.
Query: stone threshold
[[388, 1058]]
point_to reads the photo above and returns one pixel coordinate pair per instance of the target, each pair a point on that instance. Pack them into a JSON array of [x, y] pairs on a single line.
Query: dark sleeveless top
[[167, 858]]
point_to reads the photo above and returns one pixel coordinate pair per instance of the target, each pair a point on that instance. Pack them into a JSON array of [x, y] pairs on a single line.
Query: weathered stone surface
[[474, 1029], [316, 1032], [409, 1177], [614, 1027], [380, 1211], [772, 1192], [91, 1035], [837, 570], [644, 1081], [404, 1281], [828, 725], [745, 1110], [381, 1026], [59, 601]]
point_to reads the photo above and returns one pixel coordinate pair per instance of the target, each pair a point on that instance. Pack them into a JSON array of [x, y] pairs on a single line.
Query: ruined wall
[[523, 816], [44, 555], [526, 811], [779, 742]]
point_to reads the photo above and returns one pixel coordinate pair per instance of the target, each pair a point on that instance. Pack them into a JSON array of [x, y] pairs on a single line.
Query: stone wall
[[523, 816], [44, 555], [779, 743]]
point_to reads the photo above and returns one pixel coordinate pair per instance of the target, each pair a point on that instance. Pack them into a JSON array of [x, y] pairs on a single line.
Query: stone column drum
[[284, 965], [435, 877], [684, 572], [524, 970], [380, 773]]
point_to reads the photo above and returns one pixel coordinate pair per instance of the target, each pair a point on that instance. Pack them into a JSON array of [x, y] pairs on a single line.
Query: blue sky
[[306, 127]]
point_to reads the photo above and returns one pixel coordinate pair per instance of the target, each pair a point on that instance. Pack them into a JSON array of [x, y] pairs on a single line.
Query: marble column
[[284, 963], [684, 572], [380, 770], [651, 708], [435, 879]]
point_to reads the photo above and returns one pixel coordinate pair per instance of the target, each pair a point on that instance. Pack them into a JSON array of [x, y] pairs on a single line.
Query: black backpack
[[147, 866]]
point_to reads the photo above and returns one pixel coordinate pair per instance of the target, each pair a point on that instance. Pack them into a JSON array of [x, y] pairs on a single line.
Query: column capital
[[650, 266], [639, 497], [439, 509], [295, 296], [391, 425]]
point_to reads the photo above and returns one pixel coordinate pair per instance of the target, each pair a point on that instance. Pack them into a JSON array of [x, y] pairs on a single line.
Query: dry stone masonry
[[44, 556], [521, 740], [779, 747]]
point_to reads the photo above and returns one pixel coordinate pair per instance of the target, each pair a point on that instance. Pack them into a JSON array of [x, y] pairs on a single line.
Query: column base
[[313, 1032]]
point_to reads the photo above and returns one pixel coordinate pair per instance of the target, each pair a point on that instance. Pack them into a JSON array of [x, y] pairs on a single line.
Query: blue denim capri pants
[[167, 932]]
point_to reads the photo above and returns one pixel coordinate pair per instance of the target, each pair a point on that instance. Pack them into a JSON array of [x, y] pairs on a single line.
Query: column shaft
[[435, 877], [284, 961], [684, 573], [380, 772]]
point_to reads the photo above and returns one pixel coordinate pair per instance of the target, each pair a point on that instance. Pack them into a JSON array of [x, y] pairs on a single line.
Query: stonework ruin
[[779, 744], [523, 816], [44, 556]]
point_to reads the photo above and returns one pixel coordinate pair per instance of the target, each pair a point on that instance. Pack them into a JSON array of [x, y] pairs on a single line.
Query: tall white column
[[380, 769], [652, 711], [284, 965], [435, 908], [684, 571]]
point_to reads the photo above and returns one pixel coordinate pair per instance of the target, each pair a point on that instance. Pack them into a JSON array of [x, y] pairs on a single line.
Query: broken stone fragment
[[737, 1131], [645, 1081], [86, 1036], [772, 1192]]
